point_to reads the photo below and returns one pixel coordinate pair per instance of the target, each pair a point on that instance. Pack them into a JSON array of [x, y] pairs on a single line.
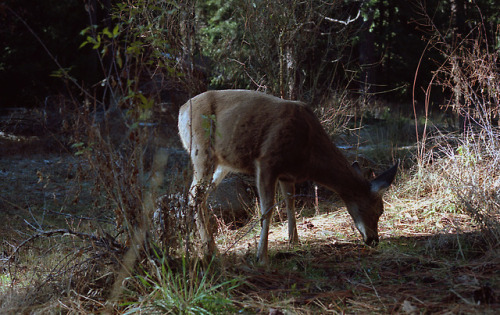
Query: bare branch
[[106, 241], [346, 22]]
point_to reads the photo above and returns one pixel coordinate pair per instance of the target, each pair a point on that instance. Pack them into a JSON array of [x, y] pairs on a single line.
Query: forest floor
[[429, 260]]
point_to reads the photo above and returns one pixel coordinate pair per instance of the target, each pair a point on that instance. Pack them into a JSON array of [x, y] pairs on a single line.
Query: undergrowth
[[439, 235], [190, 289]]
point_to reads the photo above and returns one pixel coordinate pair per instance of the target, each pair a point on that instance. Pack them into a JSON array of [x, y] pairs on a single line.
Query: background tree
[[288, 48], [295, 49]]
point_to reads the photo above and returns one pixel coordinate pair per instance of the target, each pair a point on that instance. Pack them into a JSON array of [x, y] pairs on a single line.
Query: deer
[[279, 142]]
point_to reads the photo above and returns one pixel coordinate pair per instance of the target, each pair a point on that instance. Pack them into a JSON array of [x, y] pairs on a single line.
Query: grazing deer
[[277, 141]]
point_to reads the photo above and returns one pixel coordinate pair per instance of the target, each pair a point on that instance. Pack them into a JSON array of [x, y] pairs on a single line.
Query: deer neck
[[332, 170]]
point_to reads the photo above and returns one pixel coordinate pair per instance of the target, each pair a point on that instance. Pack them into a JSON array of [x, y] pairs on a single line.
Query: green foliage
[[5, 281], [221, 32], [61, 73], [467, 156], [285, 47], [190, 290], [209, 124], [81, 148]]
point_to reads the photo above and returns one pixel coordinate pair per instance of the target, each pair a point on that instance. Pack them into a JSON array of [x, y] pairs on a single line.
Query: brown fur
[[277, 141]]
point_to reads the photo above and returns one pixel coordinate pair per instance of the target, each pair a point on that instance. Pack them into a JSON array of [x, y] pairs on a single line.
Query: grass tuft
[[190, 290]]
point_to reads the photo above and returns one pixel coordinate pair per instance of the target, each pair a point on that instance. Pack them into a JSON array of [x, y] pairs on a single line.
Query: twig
[[373, 287], [34, 219], [84, 236], [346, 22], [79, 217], [32, 226], [466, 301]]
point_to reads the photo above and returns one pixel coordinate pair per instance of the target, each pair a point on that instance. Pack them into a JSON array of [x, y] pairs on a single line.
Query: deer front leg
[[266, 186], [288, 191]]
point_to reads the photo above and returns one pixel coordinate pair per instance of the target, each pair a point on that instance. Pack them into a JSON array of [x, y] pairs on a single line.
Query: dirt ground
[[433, 265], [41, 191]]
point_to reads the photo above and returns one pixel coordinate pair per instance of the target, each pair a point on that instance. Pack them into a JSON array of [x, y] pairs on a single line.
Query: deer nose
[[372, 241]]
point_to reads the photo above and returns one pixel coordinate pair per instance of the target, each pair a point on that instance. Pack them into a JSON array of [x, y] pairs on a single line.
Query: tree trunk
[[367, 53]]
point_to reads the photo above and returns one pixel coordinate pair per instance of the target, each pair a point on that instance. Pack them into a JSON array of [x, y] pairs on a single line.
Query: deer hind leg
[[203, 171], [288, 191], [266, 186]]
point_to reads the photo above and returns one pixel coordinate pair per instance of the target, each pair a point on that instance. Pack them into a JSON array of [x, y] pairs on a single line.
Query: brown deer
[[277, 141]]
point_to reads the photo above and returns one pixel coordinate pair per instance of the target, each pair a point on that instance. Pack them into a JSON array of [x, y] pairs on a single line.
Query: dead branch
[[346, 22], [107, 241]]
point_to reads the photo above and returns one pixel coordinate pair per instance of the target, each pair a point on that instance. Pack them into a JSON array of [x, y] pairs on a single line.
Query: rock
[[233, 200]]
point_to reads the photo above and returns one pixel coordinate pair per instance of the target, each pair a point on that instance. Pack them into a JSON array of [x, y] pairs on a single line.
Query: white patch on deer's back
[[185, 128]]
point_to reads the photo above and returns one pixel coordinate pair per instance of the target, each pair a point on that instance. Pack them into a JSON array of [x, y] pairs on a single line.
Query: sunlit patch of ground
[[428, 260]]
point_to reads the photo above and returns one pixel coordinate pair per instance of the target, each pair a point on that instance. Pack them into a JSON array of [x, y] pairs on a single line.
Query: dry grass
[[434, 256], [426, 262]]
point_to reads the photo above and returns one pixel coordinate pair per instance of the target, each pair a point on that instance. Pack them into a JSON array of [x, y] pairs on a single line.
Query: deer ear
[[380, 184], [356, 168]]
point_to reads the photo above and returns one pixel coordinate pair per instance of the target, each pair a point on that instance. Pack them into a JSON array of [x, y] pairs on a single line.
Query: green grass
[[190, 290]]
